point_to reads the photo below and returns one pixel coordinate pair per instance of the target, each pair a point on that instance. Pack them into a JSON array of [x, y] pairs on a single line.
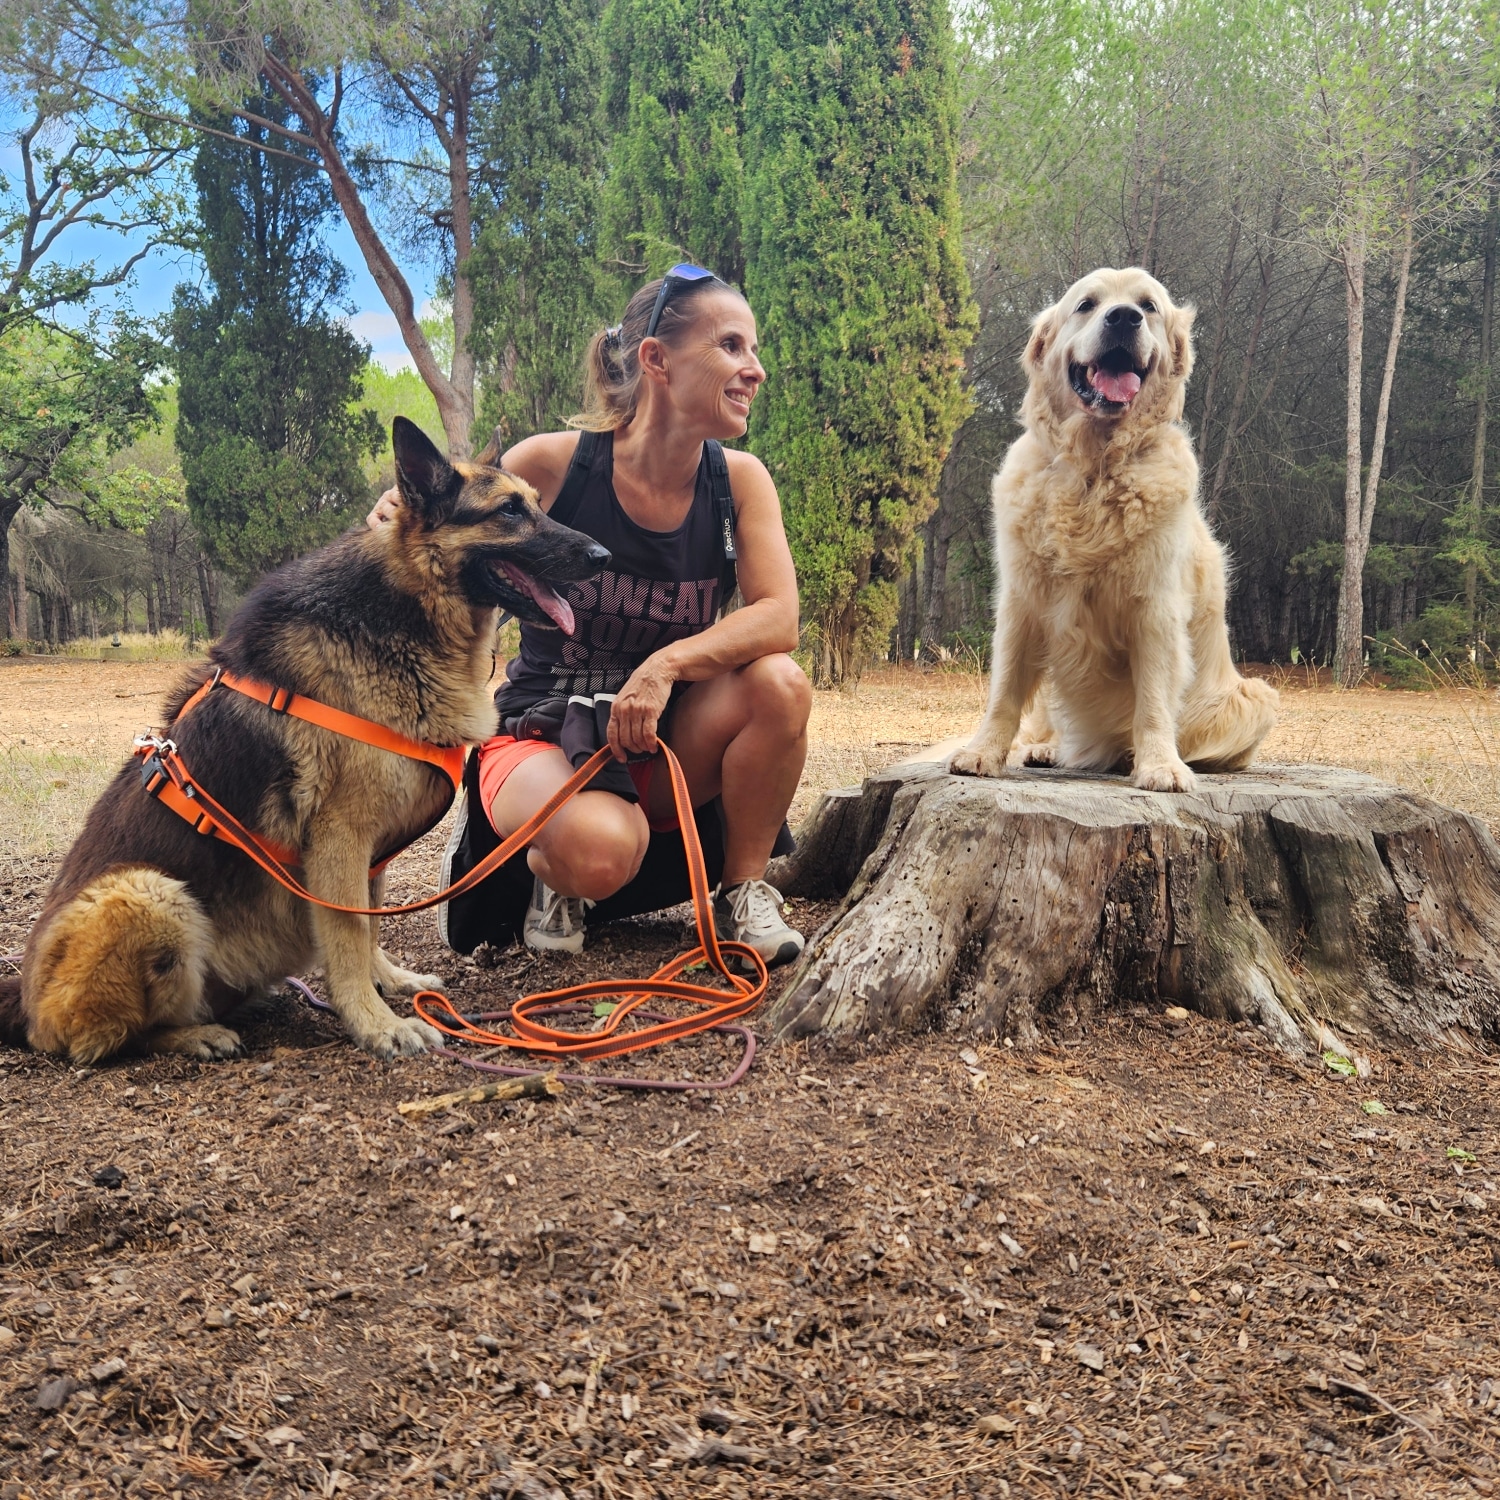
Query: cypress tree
[[673, 105], [855, 272], [270, 436], [539, 290]]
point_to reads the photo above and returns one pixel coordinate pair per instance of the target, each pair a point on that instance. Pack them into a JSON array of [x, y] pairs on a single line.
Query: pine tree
[[673, 104], [539, 291], [856, 275], [268, 428]]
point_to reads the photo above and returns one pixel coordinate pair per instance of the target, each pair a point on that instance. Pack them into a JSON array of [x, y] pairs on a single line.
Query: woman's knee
[[779, 687], [594, 856]]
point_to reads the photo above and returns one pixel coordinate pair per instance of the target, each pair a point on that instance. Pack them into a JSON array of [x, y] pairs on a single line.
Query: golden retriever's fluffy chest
[[1059, 519]]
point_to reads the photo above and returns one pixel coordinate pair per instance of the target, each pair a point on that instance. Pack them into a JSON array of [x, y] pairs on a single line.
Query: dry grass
[[1443, 744], [66, 725]]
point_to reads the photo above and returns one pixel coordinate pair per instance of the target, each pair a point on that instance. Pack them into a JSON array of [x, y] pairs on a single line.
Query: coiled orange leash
[[712, 1006]]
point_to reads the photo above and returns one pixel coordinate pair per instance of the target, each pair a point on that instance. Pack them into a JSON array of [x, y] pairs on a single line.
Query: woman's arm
[[764, 626]]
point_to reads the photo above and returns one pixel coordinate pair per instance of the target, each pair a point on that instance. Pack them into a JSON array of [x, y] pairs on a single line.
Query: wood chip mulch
[[1158, 1258]]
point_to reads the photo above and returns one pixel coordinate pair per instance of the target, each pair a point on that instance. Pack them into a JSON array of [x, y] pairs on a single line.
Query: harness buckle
[[154, 774]]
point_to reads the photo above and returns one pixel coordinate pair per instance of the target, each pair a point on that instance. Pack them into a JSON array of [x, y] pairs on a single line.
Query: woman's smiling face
[[713, 367]]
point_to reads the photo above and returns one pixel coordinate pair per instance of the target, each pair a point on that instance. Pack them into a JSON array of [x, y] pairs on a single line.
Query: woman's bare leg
[[594, 843], [742, 736]]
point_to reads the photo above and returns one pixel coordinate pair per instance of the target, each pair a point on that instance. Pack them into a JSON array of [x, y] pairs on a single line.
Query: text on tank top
[[659, 586]]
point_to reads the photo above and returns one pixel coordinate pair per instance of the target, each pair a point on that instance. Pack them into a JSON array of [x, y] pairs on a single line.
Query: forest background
[[899, 187]]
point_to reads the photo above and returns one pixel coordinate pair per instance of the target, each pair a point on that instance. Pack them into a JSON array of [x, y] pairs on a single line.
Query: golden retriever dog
[[1109, 614]]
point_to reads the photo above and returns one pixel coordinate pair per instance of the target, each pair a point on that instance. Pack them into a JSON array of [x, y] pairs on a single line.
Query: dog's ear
[[1043, 331], [429, 484], [489, 455], [1179, 322]]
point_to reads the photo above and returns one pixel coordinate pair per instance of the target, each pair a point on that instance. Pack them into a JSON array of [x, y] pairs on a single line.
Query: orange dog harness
[[165, 777]]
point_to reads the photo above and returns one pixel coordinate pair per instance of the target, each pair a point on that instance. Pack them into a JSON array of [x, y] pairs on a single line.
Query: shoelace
[[559, 911], [752, 914]]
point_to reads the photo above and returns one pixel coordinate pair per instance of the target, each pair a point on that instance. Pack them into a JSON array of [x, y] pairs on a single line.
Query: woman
[[648, 659]]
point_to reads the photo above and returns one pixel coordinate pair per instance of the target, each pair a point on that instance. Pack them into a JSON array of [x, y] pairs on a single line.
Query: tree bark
[[1305, 899], [1227, 284], [16, 590], [208, 590], [1232, 429]]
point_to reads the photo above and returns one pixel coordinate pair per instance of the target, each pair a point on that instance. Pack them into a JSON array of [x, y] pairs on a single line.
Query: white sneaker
[[554, 923], [750, 913]]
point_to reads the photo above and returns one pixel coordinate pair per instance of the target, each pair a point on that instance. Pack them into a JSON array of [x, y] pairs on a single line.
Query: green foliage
[[675, 114], [856, 276], [539, 292], [390, 394], [1421, 654], [270, 436], [68, 398]]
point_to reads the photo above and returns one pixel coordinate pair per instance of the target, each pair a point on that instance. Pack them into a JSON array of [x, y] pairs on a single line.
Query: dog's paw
[[1164, 776], [205, 1043], [985, 761], [394, 980], [1043, 753], [402, 1039]]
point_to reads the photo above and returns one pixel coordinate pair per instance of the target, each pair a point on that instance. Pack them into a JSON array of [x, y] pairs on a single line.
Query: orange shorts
[[499, 756]]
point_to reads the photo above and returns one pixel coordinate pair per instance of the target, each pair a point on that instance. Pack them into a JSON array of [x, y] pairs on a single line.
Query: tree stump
[[1315, 902]]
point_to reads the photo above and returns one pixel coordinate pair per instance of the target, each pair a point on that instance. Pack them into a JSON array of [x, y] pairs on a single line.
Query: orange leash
[[713, 1006], [165, 776]]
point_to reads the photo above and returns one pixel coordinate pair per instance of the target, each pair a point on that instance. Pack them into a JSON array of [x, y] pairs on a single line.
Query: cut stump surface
[[1315, 902]]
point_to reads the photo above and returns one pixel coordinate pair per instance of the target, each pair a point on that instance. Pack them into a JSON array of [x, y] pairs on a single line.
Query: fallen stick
[[1352, 1388], [537, 1086]]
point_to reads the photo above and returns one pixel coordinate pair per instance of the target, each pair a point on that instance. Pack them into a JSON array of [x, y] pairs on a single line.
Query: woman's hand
[[385, 510], [639, 707]]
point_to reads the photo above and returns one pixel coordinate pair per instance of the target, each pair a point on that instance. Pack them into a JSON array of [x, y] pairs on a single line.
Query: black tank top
[[659, 586]]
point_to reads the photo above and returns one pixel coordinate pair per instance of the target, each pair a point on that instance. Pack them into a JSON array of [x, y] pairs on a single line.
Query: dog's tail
[[12, 1023], [127, 954]]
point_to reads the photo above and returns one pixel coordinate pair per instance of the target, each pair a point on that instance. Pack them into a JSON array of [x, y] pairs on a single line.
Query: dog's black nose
[[1123, 316], [598, 555]]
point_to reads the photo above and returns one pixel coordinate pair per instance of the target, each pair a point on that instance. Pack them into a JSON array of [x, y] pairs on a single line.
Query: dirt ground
[[1159, 1258]]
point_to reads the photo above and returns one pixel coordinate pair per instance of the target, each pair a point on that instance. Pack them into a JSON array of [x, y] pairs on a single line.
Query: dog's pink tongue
[[558, 610], [1120, 387]]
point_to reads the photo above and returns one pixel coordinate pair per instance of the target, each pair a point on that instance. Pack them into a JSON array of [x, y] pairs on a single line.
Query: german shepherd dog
[[152, 934]]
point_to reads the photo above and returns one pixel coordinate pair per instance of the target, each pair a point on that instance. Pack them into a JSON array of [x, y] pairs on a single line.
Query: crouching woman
[[647, 657]]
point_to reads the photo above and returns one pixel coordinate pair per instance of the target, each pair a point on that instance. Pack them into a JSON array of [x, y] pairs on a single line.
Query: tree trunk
[[455, 403], [1227, 284], [911, 605], [1305, 899], [208, 590], [16, 624], [1232, 428], [1349, 648], [939, 540], [1349, 658], [1482, 404]]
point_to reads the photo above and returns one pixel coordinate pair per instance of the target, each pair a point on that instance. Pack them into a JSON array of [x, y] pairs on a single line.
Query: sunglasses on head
[[680, 275]]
